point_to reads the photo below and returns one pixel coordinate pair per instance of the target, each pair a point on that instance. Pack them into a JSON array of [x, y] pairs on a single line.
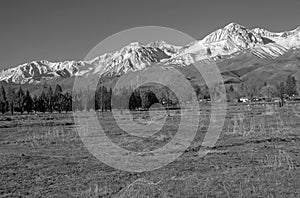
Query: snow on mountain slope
[[240, 35], [287, 39], [167, 48], [224, 43], [37, 70], [233, 39], [270, 50], [132, 57]]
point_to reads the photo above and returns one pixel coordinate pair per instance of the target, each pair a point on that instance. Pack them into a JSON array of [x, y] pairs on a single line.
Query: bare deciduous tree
[[253, 87], [279, 90]]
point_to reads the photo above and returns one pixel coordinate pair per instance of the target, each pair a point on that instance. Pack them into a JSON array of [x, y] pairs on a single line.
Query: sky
[[58, 30]]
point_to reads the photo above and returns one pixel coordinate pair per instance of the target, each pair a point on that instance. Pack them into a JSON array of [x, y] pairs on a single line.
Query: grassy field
[[257, 155]]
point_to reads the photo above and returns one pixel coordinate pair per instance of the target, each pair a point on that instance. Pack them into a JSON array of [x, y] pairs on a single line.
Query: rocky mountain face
[[224, 44]]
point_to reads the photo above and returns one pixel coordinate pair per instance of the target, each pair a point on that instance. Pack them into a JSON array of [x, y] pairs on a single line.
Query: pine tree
[[58, 99], [104, 98], [67, 104], [109, 99], [58, 89], [20, 103], [11, 97], [132, 102], [50, 99], [126, 93], [149, 98], [3, 101], [98, 97], [115, 99], [135, 100], [77, 101], [42, 104], [28, 102], [35, 103], [138, 99], [90, 101], [291, 87]]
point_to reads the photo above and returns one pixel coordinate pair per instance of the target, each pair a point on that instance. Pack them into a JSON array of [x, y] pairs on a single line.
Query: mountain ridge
[[223, 43]]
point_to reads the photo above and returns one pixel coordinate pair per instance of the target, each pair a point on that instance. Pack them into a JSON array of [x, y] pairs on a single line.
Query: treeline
[[142, 98], [254, 88], [104, 99], [58, 101], [100, 99], [22, 101], [135, 99]]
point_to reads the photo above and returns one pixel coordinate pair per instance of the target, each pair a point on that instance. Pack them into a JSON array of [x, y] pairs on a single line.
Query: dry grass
[[257, 155]]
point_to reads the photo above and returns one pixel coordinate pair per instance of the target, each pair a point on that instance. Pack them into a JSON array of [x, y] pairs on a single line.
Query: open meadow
[[256, 155]]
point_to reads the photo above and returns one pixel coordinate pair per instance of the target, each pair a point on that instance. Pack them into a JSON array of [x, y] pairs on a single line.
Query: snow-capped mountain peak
[[225, 42], [132, 57], [240, 35]]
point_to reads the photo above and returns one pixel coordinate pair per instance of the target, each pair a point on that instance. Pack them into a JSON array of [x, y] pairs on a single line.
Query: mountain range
[[238, 51]]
